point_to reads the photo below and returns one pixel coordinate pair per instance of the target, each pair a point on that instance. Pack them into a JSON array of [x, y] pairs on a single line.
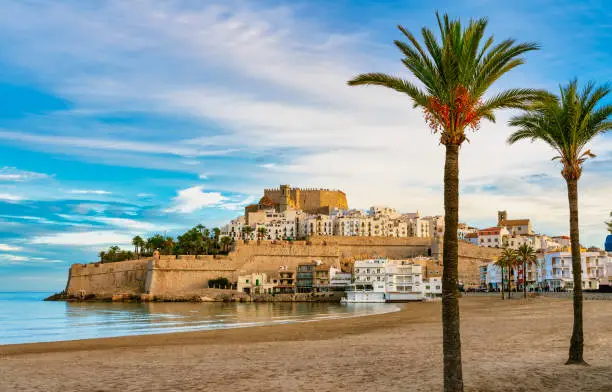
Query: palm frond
[[568, 123], [403, 86]]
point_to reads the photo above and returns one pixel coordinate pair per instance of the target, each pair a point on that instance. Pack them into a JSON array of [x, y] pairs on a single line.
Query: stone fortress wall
[[188, 275]]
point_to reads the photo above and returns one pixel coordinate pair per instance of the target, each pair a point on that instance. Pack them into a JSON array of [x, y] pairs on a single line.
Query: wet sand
[[507, 346]]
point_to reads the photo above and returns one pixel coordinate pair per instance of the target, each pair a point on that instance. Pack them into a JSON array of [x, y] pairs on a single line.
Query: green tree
[[505, 262], [191, 242], [246, 232], [526, 255], [155, 242], [261, 232], [225, 243], [568, 123], [168, 247], [610, 223], [216, 233], [456, 70], [138, 243], [102, 256]]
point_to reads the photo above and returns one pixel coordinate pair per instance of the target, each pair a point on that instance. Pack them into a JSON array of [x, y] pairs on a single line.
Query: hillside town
[[278, 216]]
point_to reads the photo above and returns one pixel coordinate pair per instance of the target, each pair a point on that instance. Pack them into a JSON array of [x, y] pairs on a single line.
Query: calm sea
[[26, 318]]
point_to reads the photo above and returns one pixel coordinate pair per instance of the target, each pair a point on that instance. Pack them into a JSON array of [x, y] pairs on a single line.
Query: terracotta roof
[[266, 201], [490, 229], [514, 222], [471, 235]]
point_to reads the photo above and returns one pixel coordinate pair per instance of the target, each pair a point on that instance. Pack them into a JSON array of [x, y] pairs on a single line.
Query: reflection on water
[[25, 318]]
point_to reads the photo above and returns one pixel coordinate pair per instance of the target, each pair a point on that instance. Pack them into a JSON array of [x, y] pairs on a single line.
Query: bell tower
[[284, 198], [501, 216]]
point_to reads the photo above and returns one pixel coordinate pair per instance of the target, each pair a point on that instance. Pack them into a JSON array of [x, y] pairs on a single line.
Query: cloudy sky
[[139, 117]]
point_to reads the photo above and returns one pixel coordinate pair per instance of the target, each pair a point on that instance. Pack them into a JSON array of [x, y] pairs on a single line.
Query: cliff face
[[189, 275]]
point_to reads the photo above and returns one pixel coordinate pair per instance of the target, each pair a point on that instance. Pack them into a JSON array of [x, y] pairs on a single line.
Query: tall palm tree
[[505, 262], [567, 123], [610, 223], [455, 69], [526, 255], [137, 242]]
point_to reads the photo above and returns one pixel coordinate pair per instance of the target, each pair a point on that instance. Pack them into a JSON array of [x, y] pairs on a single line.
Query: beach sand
[[511, 345]]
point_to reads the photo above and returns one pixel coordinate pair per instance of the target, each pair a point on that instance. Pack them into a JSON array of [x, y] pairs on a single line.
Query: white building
[[433, 287], [436, 226], [339, 281], [514, 241], [492, 237], [382, 280], [404, 281], [419, 227], [255, 283], [557, 270]]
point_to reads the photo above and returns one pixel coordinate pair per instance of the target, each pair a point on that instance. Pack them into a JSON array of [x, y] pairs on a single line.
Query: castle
[[313, 201]]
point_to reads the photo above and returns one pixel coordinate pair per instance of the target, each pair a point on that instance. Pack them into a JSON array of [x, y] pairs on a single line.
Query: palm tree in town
[[504, 263], [261, 232], [526, 255], [609, 223], [138, 243], [455, 69], [568, 123]]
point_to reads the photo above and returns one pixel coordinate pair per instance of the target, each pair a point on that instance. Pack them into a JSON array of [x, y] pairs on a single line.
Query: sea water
[[26, 318]]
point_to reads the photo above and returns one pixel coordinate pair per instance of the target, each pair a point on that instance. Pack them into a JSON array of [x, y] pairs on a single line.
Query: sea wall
[[189, 275], [106, 279]]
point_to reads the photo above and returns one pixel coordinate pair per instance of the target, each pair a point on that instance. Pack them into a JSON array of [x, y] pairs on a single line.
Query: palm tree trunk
[[451, 334], [577, 340], [502, 283], [525, 279]]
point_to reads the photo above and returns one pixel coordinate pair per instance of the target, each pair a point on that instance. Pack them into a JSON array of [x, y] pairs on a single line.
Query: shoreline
[[289, 331], [394, 352]]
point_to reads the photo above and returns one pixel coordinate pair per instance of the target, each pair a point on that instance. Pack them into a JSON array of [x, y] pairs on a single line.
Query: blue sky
[[122, 118]]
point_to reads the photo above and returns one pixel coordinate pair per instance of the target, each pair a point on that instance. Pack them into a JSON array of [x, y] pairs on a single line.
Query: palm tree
[[225, 243], [526, 255], [456, 71], [505, 262], [610, 223], [567, 123], [261, 232], [138, 242], [200, 227]]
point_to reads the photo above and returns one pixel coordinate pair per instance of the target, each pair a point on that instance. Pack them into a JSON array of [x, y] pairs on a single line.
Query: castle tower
[[296, 199], [284, 198], [501, 216]]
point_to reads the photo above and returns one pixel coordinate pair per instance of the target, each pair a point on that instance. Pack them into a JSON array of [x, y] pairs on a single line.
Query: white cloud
[[366, 141], [12, 258], [111, 145], [9, 248], [145, 195], [85, 238], [203, 176], [10, 197], [89, 192], [15, 175], [194, 198]]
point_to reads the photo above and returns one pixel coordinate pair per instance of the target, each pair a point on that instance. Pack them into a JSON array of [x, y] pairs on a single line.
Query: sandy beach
[[512, 345]]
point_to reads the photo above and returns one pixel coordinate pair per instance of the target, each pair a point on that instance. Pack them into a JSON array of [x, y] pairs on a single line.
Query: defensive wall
[[189, 275]]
